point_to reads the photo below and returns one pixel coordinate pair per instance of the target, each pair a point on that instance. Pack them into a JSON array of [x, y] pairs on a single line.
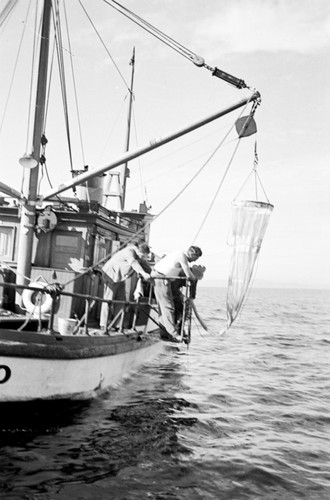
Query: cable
[[170, 203], [217, 192], [170, 42], [98, 34], [7, 10], [256, 177], [58, 41], [18, 53], [155, 31], [74, 87]]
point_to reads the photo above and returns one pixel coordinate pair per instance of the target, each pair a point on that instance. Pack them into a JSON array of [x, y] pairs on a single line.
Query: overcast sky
[[279, 47]]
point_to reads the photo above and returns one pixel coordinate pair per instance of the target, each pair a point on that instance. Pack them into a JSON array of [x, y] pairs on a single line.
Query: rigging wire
[[44, 140], [74, 85], [37, 33], [59, 48], [43, 163], [16, 60], [255, 164], [107, 50], [112, 129], [180, 165], [181, 49], [256, 177], [157, 33], [58, 41], [170, 203], [228, 166], [45, 170], [7, 10], [218, 189], [33, 64], [142, 181], [51, 66]]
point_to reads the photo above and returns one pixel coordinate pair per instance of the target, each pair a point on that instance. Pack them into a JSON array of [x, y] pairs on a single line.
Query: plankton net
[[249, 224], [250, 220]]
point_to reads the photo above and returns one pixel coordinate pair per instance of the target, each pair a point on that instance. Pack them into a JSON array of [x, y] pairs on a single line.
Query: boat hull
[[52, 367]]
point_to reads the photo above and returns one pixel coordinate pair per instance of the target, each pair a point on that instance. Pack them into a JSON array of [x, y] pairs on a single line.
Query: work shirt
[[123, 264]]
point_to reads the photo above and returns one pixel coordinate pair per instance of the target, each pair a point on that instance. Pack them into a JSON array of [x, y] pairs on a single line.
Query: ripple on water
[[244, 415]]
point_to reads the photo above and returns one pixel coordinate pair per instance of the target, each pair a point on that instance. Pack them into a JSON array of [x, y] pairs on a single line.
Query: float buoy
[[31, 298]]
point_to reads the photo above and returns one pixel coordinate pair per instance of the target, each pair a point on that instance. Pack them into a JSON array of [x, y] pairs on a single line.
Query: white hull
[[37, 378]]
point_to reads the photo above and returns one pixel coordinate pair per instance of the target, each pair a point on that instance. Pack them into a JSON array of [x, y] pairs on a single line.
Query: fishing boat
[[52, 247]]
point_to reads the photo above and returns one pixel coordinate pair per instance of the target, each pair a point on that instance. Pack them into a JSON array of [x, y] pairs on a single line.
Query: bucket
[[66, 326]]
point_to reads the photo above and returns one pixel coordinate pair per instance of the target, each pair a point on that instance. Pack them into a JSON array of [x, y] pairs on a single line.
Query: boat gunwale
[[57, 346]]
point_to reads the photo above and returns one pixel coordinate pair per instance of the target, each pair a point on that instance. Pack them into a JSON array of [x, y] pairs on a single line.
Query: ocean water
[[245, 415]]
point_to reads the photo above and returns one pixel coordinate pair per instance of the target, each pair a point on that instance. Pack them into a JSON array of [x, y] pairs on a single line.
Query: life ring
[[29, 299]]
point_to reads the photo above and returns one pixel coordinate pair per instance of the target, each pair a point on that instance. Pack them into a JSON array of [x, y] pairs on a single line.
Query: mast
[[28, 212], [116, 183], [124, 172]]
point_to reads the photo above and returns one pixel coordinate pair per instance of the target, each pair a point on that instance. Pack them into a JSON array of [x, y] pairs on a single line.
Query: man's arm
[[133, 260], [185, 267]]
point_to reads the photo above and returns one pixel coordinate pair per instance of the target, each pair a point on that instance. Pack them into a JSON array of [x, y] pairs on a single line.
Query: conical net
[[250, 220]]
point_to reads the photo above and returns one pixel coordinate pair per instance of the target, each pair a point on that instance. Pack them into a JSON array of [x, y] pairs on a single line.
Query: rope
[[7, 10], [113, 127], [256, 177], [51, 66], [5, 264], [133, 237], [255, 165], [35, 31], [180, 165], [74, 86], [142, 186], [153, 30], [58, 41], [5, 15], [32, 75], [217, 191], [178, 47], [98, 34], [225, 173], [59, 48]]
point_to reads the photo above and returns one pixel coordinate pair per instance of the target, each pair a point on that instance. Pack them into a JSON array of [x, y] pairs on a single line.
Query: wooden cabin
[[70, 236]]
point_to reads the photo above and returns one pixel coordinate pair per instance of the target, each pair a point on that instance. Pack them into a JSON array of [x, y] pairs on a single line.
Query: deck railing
[[145, 306]]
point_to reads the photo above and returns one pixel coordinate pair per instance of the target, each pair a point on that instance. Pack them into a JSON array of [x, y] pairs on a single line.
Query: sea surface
[[244, 415]]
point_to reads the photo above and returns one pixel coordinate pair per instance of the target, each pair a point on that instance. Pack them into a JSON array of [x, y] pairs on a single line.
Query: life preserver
[[30, 303]]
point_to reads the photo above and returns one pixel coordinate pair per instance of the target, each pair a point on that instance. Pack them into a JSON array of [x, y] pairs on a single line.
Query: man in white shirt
[[171, 267]]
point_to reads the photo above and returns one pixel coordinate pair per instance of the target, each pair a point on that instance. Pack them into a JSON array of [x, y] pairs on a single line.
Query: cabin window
[[100, 249], [67, 251], [6, 242], [104, 246]]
